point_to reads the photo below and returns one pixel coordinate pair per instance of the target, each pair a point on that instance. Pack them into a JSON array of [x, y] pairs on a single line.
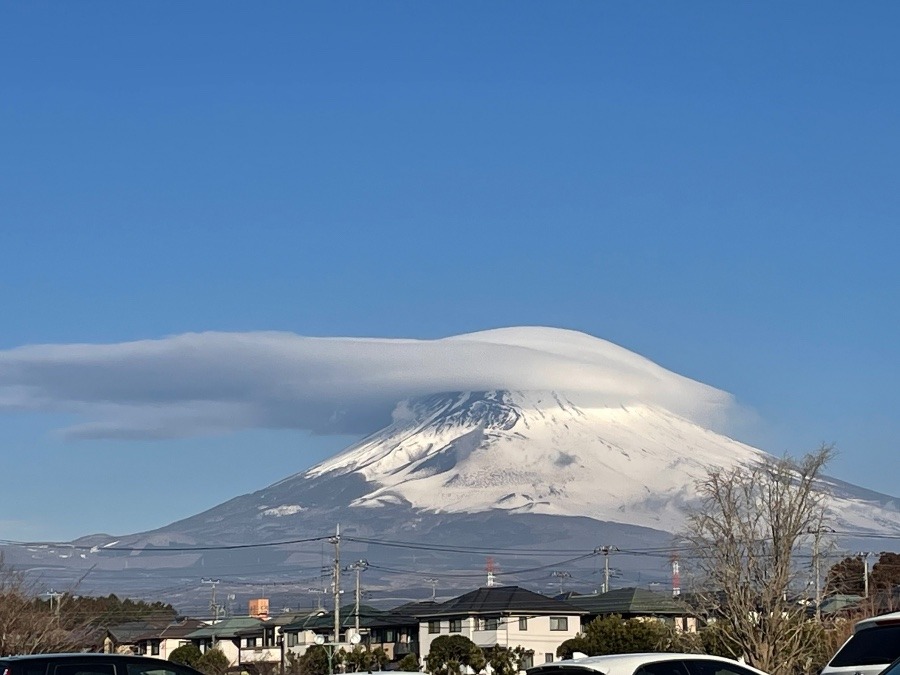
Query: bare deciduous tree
[[27, 625], [743, 538]]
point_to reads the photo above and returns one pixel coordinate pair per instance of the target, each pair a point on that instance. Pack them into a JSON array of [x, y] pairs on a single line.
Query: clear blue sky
[[713, 185]]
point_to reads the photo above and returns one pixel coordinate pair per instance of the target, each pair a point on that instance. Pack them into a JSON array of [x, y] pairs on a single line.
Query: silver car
[[649, 663], [874, 645]]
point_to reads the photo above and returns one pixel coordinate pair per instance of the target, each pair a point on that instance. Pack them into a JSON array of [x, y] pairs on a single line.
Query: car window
[[564, 670], [870, 647], [894, 669], [84, 669], [163, 668], [710, 667], [23, 668], [670, 667]]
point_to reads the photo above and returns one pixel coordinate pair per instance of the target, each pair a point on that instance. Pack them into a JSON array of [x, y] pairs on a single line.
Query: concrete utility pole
[[817, 568], [358, 567], [213, 607], [865, 557], [336, 540], [562, 576], [606, 550], [55, 599]]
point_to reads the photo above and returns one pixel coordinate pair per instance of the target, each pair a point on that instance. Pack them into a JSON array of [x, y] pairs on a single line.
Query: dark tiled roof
[[131, 631], [416, 608], [630, 602], [501, 600], [369, 617], [175, 630]]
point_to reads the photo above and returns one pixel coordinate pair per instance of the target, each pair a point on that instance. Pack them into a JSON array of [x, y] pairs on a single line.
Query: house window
[[456, 625], [292, 639], [154, 648], [548, 657], [559, 623], [492, 623], [251, 642], [434, 627], [527, 661], [523, 624], [389, 635]]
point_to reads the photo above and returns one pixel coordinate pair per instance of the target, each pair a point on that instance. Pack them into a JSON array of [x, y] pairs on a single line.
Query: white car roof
[[626, 664], [893, 617]]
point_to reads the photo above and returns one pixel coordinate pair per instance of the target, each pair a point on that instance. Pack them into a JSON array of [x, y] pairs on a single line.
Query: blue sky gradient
[[712, 185]]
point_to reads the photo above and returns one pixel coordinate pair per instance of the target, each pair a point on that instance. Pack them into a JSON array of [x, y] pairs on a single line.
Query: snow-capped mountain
[[543, 453], [611, 457]]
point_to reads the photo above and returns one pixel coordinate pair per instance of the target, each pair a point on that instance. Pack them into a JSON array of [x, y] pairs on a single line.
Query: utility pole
[[562, 576], [55, 598], [318, 592], [357, 567], [336, 540], [214, 608], [605, 550], [817, 565], [865, 557], [434, 583]]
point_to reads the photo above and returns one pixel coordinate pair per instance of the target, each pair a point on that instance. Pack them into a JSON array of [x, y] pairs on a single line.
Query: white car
[[651, 663], [874, 645]]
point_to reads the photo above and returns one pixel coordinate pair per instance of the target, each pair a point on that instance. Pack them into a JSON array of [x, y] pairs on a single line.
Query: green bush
[[213, 662], [186, 655]]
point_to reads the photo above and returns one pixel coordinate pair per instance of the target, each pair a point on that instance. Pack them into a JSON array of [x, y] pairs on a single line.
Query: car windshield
[[564, 670], [870, 647]]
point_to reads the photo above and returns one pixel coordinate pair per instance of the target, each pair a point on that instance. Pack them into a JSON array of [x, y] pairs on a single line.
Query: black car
[[90, 664]]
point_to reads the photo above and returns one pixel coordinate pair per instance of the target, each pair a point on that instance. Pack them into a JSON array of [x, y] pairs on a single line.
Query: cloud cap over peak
[[210, 383]]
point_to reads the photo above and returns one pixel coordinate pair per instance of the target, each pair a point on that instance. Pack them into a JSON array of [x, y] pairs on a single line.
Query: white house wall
[[537, 637]]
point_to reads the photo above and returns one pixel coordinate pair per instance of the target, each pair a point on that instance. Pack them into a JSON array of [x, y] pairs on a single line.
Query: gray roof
[[631, 602], [225, 629], [501, 600], [131, 631], [369, 617], [176, 629]]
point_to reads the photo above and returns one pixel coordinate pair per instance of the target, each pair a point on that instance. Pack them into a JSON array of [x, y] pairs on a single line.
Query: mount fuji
[[611, 458]]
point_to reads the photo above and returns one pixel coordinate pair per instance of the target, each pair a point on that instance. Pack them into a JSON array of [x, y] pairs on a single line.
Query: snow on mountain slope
[[540, 452]]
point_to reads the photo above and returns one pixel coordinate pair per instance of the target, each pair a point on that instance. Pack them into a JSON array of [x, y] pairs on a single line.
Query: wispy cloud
[[212, 383]]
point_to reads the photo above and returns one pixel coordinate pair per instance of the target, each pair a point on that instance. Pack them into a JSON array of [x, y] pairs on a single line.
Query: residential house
[[396, 633], [508, 616], [224, 635], [636, 603], [267, 642], [162, 642], [123, 638]]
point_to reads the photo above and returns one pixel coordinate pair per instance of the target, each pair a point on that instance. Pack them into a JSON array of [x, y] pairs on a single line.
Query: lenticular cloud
[[209, 383]]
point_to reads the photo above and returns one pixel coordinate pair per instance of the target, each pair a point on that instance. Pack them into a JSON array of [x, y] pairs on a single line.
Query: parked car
[[650, 663], [874, 645], [90, 664]]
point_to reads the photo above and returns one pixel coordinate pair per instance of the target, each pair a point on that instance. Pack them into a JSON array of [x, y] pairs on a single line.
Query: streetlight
[[331, 646]]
